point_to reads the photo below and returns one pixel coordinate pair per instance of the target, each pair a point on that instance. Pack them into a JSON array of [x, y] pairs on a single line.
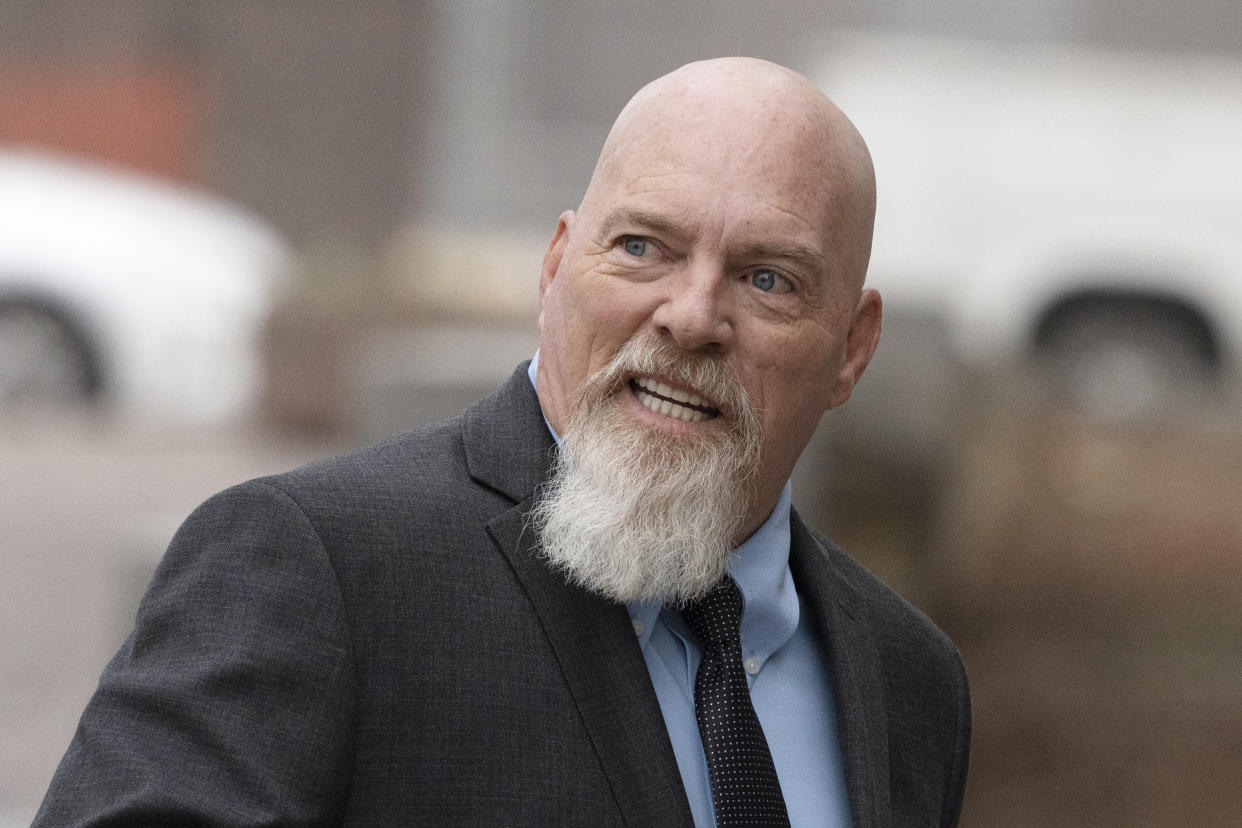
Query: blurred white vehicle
[[1075, 209], [120, 288]]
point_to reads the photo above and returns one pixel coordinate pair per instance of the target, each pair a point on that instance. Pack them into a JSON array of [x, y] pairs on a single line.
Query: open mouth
[[672, 402]]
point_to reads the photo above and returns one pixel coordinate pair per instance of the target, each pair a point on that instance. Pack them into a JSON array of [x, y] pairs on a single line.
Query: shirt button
[[752, 666], [638, 626]]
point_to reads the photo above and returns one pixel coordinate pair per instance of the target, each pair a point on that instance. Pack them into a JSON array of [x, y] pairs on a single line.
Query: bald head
[[749, 120]]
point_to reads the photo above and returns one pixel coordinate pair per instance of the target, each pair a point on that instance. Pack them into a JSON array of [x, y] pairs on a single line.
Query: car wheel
[[1122, 359], [44, 359]]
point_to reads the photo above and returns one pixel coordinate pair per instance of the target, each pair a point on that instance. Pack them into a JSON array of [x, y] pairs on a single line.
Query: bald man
[[498, 619]]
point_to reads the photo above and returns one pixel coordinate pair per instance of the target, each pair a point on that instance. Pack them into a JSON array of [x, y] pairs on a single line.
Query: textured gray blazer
[[373, 640]]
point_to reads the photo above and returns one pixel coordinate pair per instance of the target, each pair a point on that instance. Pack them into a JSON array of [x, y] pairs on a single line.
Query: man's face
[[720, 243]]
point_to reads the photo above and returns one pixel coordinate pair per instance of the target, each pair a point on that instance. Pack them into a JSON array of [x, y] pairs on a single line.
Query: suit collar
[[841, 621], [508, 448], [507, 444]]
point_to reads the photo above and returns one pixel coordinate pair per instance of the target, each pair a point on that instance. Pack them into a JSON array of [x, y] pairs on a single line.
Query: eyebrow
[[793, 251], [662, 224], [642, 219]]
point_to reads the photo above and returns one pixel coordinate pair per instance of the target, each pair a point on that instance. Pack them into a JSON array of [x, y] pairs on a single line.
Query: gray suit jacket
[[373, 640]]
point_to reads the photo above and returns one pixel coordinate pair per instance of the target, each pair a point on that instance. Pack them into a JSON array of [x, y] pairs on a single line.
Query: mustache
[[647, 354]]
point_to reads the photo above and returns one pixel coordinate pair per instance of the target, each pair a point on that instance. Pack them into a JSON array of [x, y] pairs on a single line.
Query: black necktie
[[745, 789]]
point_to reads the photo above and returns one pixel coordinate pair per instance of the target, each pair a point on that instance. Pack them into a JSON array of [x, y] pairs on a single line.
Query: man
[[467, 625]]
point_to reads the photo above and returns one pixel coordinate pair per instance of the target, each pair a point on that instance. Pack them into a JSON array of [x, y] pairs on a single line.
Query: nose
[[695, 311]]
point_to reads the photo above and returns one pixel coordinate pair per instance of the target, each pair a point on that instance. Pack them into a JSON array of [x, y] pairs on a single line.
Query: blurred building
[[304, 112], [351, 119]]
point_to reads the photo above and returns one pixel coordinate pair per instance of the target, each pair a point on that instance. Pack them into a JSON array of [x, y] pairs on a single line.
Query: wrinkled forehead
[[709, 175]]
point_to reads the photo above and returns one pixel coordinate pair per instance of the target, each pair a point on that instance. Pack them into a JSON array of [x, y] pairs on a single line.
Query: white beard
[[637, 514]]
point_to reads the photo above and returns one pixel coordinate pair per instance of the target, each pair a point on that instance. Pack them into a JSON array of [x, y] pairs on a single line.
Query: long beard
[[633, 513]]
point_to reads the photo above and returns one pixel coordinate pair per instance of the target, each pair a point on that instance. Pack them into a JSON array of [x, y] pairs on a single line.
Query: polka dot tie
[[745, 789]]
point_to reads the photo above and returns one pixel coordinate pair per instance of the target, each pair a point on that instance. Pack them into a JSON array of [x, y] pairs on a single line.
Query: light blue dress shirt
[[785, 665]]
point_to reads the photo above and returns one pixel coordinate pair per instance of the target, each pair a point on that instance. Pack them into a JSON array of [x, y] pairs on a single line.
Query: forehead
[[757, 184], [746, 135]]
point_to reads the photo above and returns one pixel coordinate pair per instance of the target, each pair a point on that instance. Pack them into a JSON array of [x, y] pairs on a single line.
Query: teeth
[[667, 408]]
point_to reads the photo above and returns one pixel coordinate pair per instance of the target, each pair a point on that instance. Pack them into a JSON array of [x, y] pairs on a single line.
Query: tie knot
[[716, 618]]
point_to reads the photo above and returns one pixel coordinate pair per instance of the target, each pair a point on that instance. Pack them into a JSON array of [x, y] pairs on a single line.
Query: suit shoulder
[[413, 463], [922, 681], [900, 627]]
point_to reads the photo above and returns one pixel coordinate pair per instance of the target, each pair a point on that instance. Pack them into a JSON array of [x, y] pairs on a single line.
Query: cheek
[[614, 309], [793, 373], [793, 405], [589, 320], [796, 393], [563, 337]]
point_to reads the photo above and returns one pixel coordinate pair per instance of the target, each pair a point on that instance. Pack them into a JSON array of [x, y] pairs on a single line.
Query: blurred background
[[236, 236]]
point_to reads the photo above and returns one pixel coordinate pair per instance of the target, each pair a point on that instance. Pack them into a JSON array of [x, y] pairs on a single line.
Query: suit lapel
[[599, 656], [508, 448], [856, 681]]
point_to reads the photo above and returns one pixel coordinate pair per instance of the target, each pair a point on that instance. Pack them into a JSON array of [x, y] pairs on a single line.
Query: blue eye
[[765, 280], [635, 245]]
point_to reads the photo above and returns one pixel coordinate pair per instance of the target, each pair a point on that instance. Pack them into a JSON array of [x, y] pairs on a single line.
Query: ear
[[860, 344], [552, 256]]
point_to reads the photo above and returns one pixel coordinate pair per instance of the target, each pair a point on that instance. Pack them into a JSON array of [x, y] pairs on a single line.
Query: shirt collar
[[760, 566], [532, 371], [770, 605]]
